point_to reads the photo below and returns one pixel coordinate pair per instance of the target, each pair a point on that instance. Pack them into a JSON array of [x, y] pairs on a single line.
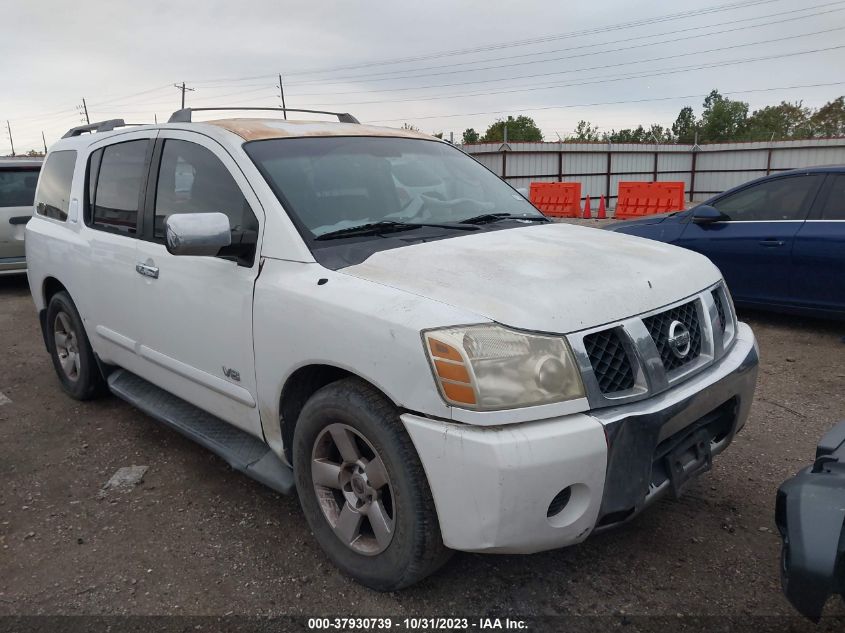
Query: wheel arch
[[49, 287], [303, 383]]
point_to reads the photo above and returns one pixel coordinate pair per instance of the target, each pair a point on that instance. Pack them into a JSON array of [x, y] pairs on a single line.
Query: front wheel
[[363, 490]]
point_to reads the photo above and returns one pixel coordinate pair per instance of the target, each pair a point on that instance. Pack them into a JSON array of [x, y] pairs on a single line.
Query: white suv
[[371, 318]]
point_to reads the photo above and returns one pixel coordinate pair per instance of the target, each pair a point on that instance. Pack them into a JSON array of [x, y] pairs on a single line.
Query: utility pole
[[183, 89], [281, 88], [44, 141], [85, 109], [11, 142]]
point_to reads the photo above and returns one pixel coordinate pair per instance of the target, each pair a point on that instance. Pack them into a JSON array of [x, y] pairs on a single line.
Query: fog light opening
[[559, 502]]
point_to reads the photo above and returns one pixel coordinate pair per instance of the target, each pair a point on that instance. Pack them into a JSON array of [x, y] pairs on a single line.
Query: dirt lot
[[197, 538]]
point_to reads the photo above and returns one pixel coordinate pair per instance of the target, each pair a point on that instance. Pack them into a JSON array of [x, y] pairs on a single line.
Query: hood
[[551, 277]]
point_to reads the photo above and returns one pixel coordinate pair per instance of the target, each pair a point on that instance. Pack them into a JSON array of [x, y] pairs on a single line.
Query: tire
[[70, 350], [408, 546]]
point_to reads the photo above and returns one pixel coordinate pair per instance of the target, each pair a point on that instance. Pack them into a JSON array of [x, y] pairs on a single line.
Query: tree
[[521, 128], [787, 120], [660, 134], [585, 131], [438, 135], [628, 135], [829, 120], [723, 119], [470, 136], [685, 126]]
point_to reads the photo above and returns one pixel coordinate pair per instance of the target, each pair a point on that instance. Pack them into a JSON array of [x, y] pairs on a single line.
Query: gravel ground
[[196, 537]]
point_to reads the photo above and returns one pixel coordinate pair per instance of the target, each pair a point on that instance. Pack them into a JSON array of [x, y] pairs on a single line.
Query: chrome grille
[[609, 360], [658, 326], [720, 308], [631, 359]]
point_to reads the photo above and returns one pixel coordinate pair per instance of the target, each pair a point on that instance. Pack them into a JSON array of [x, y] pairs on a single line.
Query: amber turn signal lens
[[452, 371], [441, 350], [459, 393]]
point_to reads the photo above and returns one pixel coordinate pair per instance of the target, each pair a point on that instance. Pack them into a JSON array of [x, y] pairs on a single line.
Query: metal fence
[[705, 169]]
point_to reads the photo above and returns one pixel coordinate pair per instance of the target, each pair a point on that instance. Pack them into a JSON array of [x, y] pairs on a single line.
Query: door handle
[[146, 271], [771, 242]]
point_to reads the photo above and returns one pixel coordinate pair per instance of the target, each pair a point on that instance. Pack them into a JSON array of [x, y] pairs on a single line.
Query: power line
[[600, 80], [517, 43], [553, 59], [601, 103], [658, 19], [135, 94], [576, 70], [517, 89]]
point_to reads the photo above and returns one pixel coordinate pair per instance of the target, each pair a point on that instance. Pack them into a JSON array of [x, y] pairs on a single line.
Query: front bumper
[[493, 486], [810, 515]]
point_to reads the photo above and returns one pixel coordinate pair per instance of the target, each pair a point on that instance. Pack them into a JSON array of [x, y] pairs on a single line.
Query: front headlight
[[488, 367]]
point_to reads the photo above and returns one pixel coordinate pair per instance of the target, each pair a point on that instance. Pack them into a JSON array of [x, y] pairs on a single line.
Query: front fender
[[365, 328]]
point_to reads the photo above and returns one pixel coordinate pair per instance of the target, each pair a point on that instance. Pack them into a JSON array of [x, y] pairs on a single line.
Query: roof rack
[[184, 115], [98, 126]]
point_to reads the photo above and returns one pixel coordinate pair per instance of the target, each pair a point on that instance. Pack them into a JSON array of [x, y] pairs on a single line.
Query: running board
[[242, 451]]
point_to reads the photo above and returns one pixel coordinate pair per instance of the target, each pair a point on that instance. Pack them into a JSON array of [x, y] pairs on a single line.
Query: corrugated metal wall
[[705, 170]]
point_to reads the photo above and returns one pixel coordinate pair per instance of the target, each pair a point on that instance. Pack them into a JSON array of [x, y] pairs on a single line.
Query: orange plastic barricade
[[636, 199], [557, 199]]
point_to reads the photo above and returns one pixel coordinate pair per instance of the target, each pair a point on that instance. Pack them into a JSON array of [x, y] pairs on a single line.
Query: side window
[[834, 206], [117, 186], [17, 187], [53, 196], [780, 199], [191, 179]]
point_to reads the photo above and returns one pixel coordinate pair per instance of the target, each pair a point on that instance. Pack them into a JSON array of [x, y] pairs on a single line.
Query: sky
[[442, 66]]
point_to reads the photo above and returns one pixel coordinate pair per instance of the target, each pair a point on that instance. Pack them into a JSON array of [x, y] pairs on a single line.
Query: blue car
[[779, 241]]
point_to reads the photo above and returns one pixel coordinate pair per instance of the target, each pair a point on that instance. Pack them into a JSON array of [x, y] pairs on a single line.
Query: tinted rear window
[[117, 194], [53, 197], [17, 187]]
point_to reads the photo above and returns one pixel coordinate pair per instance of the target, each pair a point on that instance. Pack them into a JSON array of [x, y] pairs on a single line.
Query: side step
[[241, 450]]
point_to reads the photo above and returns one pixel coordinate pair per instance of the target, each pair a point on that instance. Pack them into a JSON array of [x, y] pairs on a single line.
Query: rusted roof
[[258, 129]]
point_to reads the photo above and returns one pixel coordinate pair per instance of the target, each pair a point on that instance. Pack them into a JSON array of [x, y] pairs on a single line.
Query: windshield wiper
[[387, 226], [487, 218]]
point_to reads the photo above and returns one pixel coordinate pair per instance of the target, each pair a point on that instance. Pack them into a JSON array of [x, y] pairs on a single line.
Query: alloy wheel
[[67, 346], [353, 489]]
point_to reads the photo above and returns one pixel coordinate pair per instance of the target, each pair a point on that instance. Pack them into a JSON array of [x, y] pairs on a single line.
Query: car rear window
[[17, 187], [53, 195]]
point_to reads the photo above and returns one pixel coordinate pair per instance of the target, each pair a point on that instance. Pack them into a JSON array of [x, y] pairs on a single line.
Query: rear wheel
[[363, 489], [70, 349]]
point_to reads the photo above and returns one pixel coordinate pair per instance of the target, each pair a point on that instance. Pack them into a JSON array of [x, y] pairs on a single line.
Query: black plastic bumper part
[[810, 516]]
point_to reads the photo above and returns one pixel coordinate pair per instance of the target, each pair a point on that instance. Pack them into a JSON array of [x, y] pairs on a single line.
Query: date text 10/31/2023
[[416, 624]]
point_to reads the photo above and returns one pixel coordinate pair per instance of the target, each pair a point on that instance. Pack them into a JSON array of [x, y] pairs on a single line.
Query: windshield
[[335, 183]]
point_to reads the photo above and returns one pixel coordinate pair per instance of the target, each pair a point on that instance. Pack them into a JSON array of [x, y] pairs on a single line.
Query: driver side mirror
[[199, 234], [705, 214]]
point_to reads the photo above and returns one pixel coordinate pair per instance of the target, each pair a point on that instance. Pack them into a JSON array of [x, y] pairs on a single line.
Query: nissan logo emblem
[[679, 339]]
